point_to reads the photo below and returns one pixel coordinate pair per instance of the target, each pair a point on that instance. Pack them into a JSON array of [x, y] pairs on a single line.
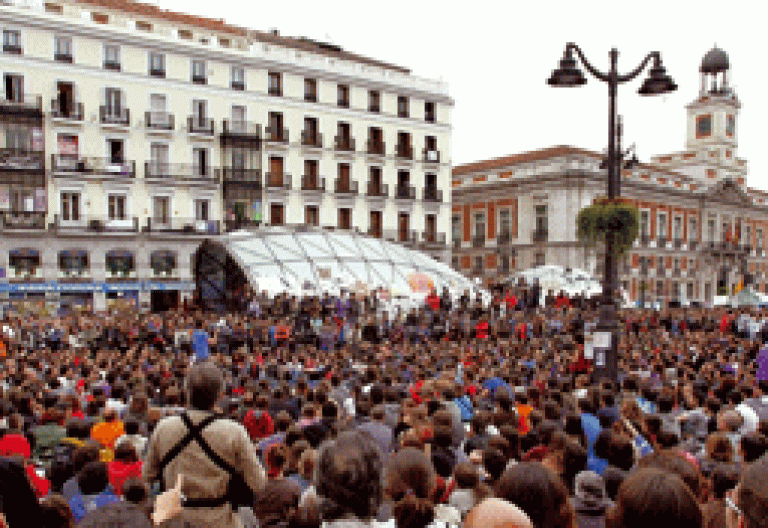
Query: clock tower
[[712, 117]]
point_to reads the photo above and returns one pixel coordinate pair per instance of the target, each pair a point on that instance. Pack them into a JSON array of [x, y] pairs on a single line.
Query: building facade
[[701, 228], [132, 133]]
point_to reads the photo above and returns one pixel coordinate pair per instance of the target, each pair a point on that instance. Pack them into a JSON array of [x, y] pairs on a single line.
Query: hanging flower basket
[[618, 216]]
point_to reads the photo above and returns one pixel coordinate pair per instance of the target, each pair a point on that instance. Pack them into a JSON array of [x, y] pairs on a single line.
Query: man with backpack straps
[[215, 455]]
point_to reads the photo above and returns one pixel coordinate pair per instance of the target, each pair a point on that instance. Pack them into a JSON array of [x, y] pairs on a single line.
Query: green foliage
[[595, 220]]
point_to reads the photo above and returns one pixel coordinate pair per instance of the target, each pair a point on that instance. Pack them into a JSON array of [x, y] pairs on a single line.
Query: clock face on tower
[[703, 126], [730, 125]]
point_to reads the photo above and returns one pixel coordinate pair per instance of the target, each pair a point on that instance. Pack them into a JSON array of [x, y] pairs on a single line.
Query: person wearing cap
[[590, 501]]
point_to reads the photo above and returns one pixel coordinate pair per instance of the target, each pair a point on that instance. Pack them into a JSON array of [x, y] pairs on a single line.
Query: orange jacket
[[105, 433]]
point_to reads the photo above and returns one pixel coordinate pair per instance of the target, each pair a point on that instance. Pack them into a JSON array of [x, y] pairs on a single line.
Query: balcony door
[[403, 226], [376, 224], [200, 162], [276, 214], [158, 110], [345, 218], [344, 183], [65, 98], [14, 88], [113, 102], [161, 210], [430, 228], [116, 152], [239, 118], [275, 171], [158, 156]]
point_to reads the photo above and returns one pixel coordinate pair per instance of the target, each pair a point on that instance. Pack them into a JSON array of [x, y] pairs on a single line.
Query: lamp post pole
[[658, 82]]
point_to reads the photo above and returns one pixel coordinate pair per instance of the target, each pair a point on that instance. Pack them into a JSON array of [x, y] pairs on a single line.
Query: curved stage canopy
[[312, 261]]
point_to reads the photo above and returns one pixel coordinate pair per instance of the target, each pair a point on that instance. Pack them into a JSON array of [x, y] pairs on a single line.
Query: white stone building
[[131, 133]]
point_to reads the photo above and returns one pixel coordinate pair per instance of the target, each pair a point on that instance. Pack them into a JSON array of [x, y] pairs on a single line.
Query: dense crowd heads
[[346, 411]]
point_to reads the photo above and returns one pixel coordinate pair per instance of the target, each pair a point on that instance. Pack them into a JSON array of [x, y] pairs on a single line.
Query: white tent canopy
[[571, 281], [310, 261]]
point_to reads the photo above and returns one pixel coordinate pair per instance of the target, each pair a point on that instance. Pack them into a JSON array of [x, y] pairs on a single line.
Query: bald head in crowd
[[497, 513]]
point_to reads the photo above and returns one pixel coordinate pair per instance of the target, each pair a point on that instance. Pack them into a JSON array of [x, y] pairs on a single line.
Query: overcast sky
[[496, 57]]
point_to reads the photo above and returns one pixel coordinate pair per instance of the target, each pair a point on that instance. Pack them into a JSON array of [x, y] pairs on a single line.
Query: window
[[403, 109], [275, 86], [342, 95], [156, 64], [430, 227], [200, 160], [312, 215], [663, 226], [643, 224], [53, 8], [479, 226], [199, 72], [100, 18], [310, 90], [237, 78], [478, 264], [689, 291], [12, 41], [185, 34], [111, 57], [430, 115], [14, 88], [541, 220], [540, 259], [456, 229], [730, 126], [693, 228], [678, 228], [276, 214], [759, 238], [161, 209], [703, 126], [711, 230], [143, 26], [504, 223], [62, 49], [116, 206], [375, 224], [70, 206], [374, 101], [345, 218], [22, 199], [202, 210], [116, 151], [73, 262]]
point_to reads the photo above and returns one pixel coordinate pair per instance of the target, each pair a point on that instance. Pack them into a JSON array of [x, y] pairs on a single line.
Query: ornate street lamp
[[657, 83]]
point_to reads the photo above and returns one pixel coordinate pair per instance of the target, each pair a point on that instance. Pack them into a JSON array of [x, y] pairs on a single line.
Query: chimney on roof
[[275, 32]]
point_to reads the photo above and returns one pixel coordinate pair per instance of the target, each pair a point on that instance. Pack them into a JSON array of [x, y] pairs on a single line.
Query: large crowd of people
[[342, 411]]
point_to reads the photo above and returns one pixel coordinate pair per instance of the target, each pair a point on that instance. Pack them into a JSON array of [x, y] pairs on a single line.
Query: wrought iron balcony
[[112, 65], [433, 239], [375, 232], [97, 224], [179, 171], [237, 174], [64, 165], [159, 121], [277, 135], [661, 271], [344, 143], [431, 156], [200, 125], [240, 129], [693, 244], [185, 226], [503, 237], [67, 110], [16, 160], [311, 139], [345, 186], [114, 116], [27, 220], [662, 242], [238, 85], [13, 49], [20, 102], [312, 183], [276, 180], [403, 151], [377, 189], [199, 79], [676, 272], [644, 239], [540, 235], [376, 148], [478, 241], [405, 192], [157, 72], [432, 194], [678, 243], [63, 57]]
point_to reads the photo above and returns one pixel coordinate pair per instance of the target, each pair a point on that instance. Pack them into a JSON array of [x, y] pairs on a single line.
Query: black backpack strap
[[194, 432]]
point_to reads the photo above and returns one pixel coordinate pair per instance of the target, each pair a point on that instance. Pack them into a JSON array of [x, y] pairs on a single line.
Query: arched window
[[163, 262], [120, 263], [73, 262], [24, 262]]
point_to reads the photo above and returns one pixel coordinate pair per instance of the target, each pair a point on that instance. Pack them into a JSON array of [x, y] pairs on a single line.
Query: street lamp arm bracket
[[655, 55], [588, 65]]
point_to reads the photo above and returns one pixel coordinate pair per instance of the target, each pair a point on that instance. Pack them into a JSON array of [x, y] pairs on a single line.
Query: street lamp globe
[[657, 82], [567, 73]]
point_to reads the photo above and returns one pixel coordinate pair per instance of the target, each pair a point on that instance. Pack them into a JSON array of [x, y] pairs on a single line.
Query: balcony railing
[[21, 101], [112, 65], [678, 243], [344, 144], [157, 72], [376, 148], [22, 220], [433, 238], [503, 237], [200, 125], [404, 151], [311, 139], [345, 186], [98, 224], [236, 174], [159, 120], [644, 239], [431, 156], [662, 242], [277, 135], [275, 180], [13, 49], [179, 171], [405, 192], [676, 272], [375, 232], [82, 165], [380, 190], [693, 244], [478, 241], [661, 271], [188, 226], [240, 129], [21, 160], [199, 79], [433, 194], [114, 116], [69, 110], [63, 57], [540, 235], [312, 183]]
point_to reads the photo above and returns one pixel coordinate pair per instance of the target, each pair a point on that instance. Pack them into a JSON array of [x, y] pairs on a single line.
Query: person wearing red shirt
[[125, 465], [433, 301], [481, 330], [258, 422], [511, 301]]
